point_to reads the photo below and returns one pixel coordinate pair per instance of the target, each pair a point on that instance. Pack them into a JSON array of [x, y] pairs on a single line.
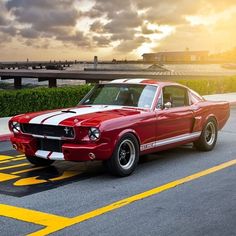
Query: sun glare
[[159, 32], [211, 19], [144, 48]]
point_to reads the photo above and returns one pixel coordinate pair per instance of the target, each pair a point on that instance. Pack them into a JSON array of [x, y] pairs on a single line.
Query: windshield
[[135, 95]]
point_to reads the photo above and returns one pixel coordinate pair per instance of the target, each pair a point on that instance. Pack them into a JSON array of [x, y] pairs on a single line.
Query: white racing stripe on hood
[[56, 120], [40, 118]]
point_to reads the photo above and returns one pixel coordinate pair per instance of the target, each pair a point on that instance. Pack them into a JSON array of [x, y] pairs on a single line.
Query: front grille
[[50, 145], [48, 130]]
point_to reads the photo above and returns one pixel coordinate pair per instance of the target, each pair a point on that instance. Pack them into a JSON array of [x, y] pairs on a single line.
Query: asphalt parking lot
[[175, 192]]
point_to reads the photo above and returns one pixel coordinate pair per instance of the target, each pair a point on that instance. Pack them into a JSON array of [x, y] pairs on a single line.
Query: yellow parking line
[[4, 157], [18, 159], [12, 159], [28, 170], [36, 180], [5, 177], [14, 166], [31, 216], [1, 162], [21, 155], [53, 225]]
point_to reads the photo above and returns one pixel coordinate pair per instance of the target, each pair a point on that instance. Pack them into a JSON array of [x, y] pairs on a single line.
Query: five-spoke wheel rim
[[126, 154], [210, 133]]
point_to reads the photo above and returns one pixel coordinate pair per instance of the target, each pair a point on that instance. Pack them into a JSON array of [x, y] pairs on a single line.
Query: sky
[[119, 29]]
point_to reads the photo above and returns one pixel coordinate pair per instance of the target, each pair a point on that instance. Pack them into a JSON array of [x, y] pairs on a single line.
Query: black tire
[[125, 156], [208, 138], [37, 161]]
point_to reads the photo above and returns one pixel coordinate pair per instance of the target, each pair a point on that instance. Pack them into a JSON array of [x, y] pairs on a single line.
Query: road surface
[[177, 192]]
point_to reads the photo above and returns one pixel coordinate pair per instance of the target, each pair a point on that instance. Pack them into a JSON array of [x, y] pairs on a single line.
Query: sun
[[144, 48]]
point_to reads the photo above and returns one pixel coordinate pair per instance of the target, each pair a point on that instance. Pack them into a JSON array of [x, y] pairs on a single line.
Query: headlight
[[94, 134], [16, 127]]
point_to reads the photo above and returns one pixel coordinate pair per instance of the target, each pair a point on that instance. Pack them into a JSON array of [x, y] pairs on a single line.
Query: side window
[[160, 102], [176, 95]]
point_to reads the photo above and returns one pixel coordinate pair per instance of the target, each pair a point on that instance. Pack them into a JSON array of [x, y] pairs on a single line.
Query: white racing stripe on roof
[[117, 81], [128, 81], [134, 81], [56, 120]]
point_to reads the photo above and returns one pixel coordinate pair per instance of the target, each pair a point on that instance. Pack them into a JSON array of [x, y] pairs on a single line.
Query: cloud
[[97, 27], [77, 39], [168, 12], [129, 45], [122, 21], [29, 33], [182, 38], [4, 38], [102, 41], [109, 8], [55, 20], [3, 20], [43, 15], [100, 25], [146, 30]]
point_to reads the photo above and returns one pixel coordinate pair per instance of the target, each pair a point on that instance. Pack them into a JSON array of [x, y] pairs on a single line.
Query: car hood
[[81, 115]]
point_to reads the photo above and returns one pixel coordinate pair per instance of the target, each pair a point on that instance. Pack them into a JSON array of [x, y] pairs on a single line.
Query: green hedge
[[14, 102], [210, 86]]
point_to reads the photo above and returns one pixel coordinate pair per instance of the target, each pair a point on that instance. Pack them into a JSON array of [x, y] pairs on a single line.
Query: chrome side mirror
[[167, 105]]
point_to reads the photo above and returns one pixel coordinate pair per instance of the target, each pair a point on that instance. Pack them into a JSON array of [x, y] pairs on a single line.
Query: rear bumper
[[70, 151]]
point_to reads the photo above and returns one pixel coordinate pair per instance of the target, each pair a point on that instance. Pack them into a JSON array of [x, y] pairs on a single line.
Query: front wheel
[[208, 137], [125, 156], [37, 161]]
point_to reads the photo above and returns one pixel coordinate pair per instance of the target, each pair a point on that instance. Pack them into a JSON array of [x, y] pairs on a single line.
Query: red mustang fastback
[[119, 121]]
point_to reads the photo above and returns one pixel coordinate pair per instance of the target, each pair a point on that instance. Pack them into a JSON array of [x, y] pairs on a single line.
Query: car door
[[174, 116]]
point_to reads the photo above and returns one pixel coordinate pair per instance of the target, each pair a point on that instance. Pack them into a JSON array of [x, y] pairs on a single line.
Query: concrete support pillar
[[52, 82], [17, 82]]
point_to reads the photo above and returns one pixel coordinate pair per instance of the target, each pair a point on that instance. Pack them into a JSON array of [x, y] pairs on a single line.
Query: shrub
[[14, 102], [206, 86]]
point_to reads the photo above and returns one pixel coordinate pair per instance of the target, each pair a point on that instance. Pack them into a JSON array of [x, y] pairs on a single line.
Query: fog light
[[91, 156]]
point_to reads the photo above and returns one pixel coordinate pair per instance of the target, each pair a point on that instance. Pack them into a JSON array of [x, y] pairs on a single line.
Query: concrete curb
[[5, 137], [4, 130]]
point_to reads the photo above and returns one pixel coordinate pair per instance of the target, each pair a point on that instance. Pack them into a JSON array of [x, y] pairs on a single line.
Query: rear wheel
[[37, 161], [125, 156], [208, 137]]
